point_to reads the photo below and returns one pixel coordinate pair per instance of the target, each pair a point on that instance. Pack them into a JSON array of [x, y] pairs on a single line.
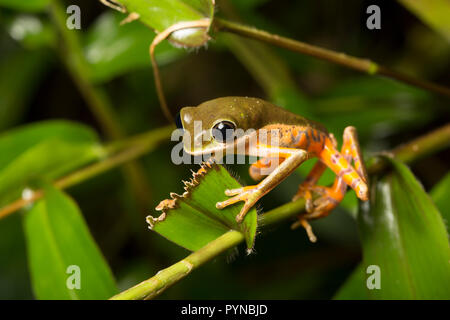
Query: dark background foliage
[[35, 86]]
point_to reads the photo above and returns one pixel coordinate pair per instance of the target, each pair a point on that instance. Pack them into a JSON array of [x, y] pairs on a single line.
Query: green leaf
[[31, 31], [192, 220], [57, 237], [434, 13], [28, 5], [248, 4], [354, 287], [403, 233], [439, 194], [20, 139], [13, 268], [112, 49], [43, 151], [17, 88], [159, 15]]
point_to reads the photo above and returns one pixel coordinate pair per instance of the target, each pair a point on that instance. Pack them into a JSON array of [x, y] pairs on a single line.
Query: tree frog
[[255, 127]]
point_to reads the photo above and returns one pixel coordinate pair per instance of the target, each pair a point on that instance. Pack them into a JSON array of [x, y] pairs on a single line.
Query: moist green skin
[[246, 113]]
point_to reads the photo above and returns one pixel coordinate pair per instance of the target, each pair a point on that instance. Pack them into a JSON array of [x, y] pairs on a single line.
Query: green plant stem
[[359, 64], [152, 287], [166, 277], [414, 150], [119, 153], [73, 57]]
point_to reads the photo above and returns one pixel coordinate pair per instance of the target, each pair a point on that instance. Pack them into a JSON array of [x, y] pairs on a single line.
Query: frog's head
[[219, 124]]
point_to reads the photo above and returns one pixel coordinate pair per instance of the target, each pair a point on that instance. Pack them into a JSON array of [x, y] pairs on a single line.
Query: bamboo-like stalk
[[359, 64], [72, 55], [119, 152], [167, 277]]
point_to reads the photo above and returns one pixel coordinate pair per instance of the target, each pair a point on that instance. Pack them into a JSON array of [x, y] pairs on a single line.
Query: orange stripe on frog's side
[[351, 148], [299, 137]]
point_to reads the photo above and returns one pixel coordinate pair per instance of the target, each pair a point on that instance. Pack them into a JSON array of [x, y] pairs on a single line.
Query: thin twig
[[73, 57], [362, 65], [415, 149], [127, 150], [203, 23]]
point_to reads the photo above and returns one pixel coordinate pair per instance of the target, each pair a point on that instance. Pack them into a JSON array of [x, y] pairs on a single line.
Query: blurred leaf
[[440, 196], [434, 13], [354, 287], [28, 5], [16, 88], [403, 233], [373, 106], [20, 139], [248, 4], [57, 237], [45, 150], [32, 31], [13, 267], [192, 220], [112, 49], [159, 15], [49, 159]]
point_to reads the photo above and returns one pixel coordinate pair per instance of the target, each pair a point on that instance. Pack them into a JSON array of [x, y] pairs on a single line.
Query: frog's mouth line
[[242, 145]]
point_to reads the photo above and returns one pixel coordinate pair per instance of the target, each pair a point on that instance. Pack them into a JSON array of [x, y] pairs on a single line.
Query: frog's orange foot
[[317, 208], [328, 200], [250, 195], [304, 223], [304, 191]]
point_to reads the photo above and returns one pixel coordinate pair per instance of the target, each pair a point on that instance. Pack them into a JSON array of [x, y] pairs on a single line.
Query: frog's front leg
[[251, 194], [263, 167]]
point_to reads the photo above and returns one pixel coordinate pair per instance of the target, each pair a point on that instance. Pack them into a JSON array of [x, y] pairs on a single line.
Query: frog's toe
[[233, 192], [250, 195], [304, 223], [304, 192]]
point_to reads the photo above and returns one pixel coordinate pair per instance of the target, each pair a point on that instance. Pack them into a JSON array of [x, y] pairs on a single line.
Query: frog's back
[[274, 114], [294, 131], [256, 113]]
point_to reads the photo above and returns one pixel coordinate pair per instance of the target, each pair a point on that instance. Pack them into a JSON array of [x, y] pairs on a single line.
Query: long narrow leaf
[[59, 246], [404, 235], [440, 196]]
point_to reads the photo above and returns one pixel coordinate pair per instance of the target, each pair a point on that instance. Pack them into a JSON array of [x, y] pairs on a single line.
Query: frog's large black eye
[[178, 121], [223, 131]]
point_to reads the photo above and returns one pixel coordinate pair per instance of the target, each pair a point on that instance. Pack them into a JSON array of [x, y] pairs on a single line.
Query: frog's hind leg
[[351, 147], [306, 187], [329, 199], [323, 205], [340, 163], [304, 190]]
